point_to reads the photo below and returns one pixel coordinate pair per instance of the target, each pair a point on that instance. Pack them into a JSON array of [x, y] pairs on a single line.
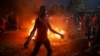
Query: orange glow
[[34, 34], [33, 21], [50, 34]]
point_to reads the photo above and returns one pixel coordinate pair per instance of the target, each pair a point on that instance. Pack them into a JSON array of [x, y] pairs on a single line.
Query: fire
[[50, 34], [33, 21], [30, 33]]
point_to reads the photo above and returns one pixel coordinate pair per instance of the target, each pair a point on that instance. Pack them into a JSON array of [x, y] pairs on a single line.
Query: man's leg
[[48, 47], [36, 48]]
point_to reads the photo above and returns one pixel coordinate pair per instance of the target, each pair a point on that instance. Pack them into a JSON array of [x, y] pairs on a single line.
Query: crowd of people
[[8, 23], [88, 25]]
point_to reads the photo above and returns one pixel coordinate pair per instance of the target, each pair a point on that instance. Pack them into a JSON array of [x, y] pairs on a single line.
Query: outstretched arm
[[54, 30], [30, 36]]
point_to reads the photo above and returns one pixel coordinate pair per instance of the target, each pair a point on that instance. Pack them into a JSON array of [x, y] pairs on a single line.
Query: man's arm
[[31, 35], [54, 30]]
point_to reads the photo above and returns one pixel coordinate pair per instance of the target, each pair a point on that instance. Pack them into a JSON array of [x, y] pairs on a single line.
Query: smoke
[[26, 10], [28, 6]]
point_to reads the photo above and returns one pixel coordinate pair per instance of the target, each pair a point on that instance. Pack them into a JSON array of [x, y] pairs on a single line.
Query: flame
[[33, 21], [34, 34], [50, 34]]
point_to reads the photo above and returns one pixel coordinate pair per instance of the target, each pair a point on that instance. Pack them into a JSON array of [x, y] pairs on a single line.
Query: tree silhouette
[[75, 5]]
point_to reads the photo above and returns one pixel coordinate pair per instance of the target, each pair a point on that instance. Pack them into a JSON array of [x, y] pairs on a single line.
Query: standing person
[[2, 23], [94, 25], [97, 38], [88, 30], [83, 25], [42, 25]]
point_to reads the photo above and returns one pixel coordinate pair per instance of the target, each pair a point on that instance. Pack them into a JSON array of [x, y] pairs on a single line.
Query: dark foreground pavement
[[11, 44]]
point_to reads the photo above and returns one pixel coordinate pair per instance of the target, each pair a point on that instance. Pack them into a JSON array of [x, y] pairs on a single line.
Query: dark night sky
[[26, 5], [88, 3], [92, 3]]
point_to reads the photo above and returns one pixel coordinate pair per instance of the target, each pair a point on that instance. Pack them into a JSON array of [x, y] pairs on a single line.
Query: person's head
[[43, 11]]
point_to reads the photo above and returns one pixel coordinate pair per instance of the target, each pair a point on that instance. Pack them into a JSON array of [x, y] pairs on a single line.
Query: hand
[[62, 36], [26, 45]]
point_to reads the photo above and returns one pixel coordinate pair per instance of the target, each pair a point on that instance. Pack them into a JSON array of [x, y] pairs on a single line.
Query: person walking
[[41, 25]]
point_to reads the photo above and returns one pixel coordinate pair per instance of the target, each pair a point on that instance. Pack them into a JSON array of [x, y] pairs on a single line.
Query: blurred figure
[[94, 24], [88, 30], [41, 25], [2, 24], [94, 27], [83, 25], [71, 25], [17, 23], [97, 38]]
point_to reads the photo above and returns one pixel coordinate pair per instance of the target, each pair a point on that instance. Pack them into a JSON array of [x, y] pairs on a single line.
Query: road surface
[[11, 44]]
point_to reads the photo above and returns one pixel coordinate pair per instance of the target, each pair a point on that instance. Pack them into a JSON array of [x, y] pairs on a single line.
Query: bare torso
[[42, 29]]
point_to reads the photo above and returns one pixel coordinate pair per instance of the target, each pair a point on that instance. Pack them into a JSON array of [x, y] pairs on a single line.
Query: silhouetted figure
[[97, 38], [88, 30], [94, 24], [41, 25], [94, 27], [2, 24], [83, 25]]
